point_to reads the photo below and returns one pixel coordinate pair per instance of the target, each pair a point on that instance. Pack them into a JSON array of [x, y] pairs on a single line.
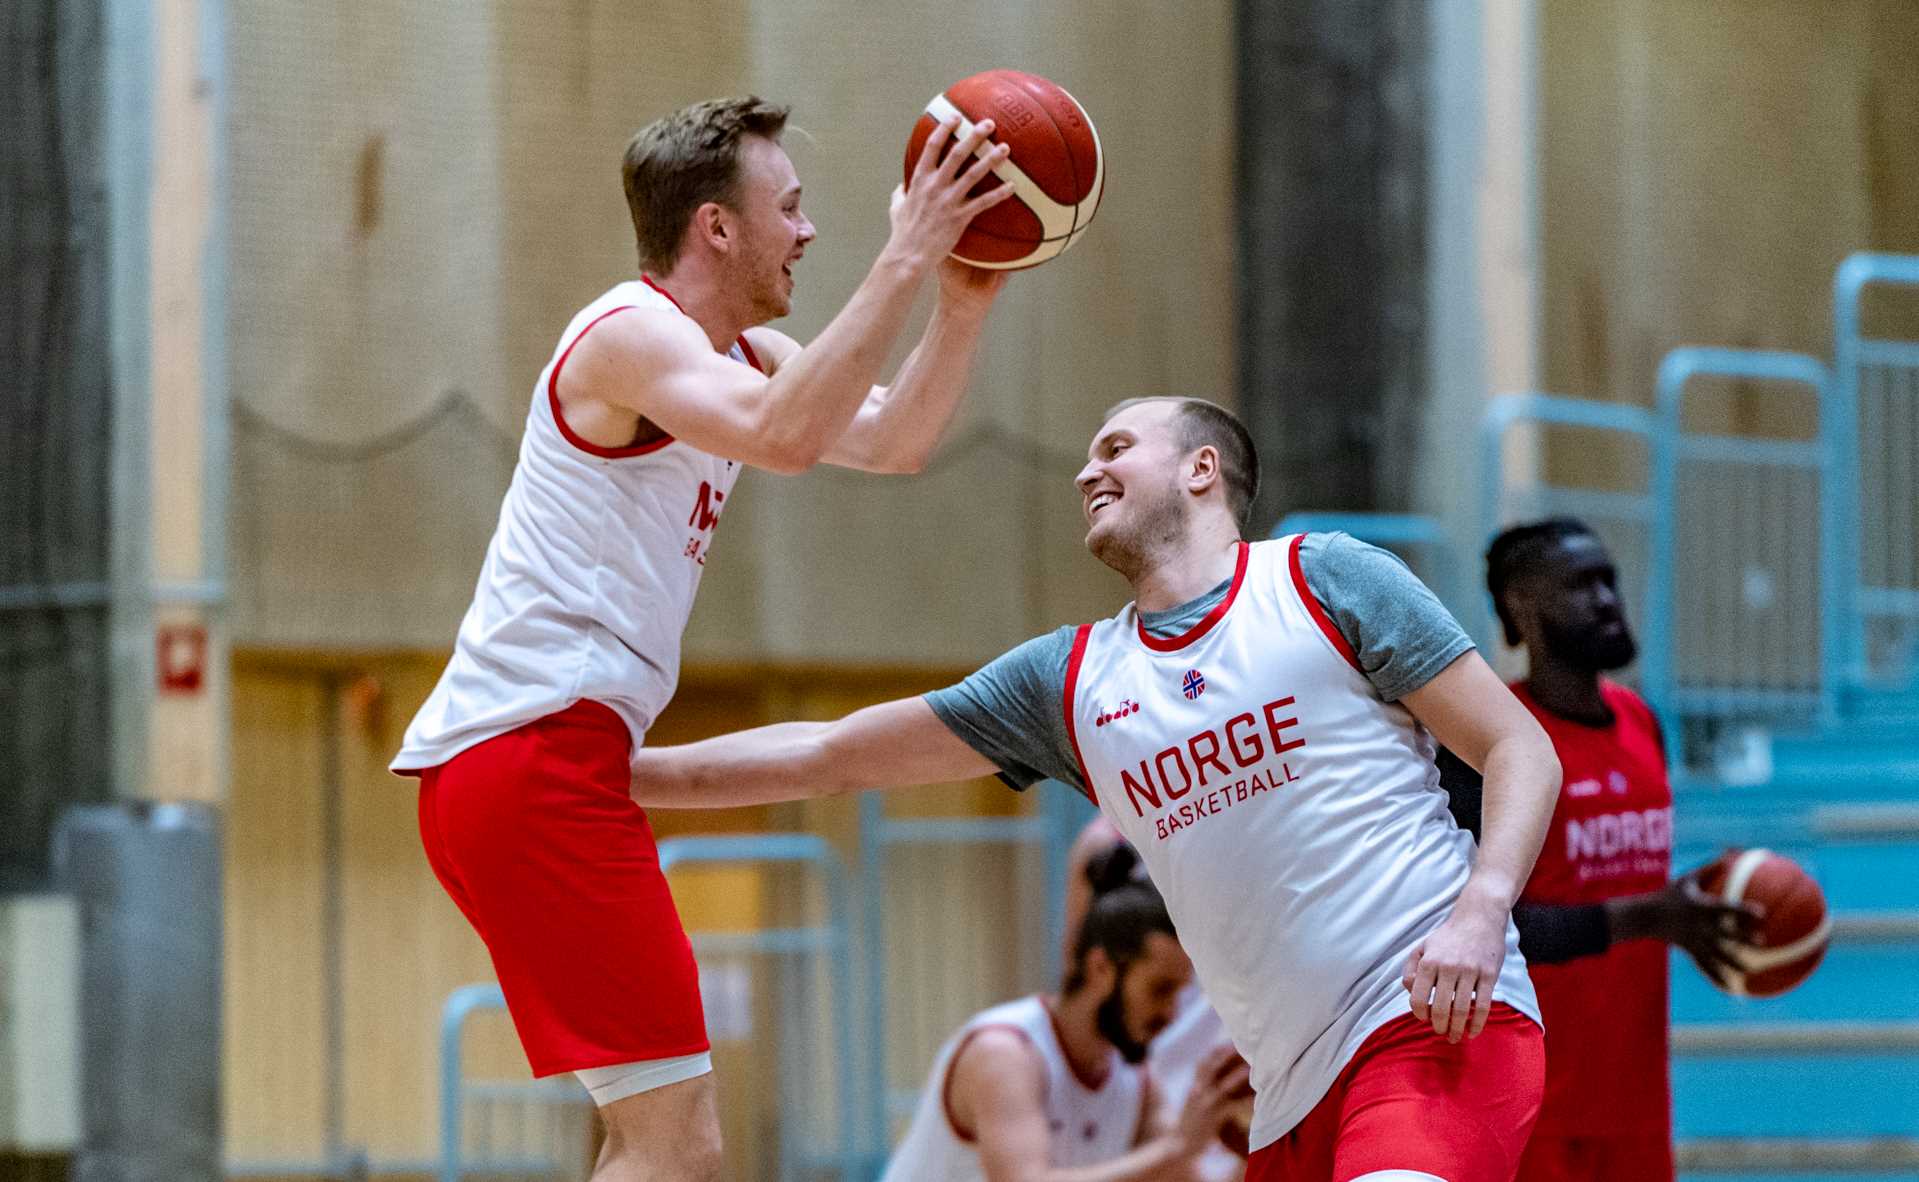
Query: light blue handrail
[[1533, 407], [827, 941], [1850, 601], [1670, 443]]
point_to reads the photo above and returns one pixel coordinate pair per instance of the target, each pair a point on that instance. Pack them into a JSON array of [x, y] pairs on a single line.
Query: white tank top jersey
[[1293, 821], [1088, 1125], [590, 575]]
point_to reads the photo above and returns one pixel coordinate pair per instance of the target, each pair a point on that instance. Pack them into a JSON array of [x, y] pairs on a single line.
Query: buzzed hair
[[678, 163], [1208, 424]]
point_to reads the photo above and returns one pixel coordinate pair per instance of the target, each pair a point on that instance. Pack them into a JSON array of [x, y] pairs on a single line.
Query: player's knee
[[690, 1154]]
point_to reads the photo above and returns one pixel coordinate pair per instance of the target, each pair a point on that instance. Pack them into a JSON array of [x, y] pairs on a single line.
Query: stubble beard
[[1157, 528]]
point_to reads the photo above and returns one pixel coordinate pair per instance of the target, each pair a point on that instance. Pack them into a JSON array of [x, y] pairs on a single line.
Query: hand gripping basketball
[[933, 208]]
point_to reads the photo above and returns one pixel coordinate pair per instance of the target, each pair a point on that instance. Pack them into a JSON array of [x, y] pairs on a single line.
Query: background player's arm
[[664, 368], [1467, 707], [894, 744], [998, 1093]]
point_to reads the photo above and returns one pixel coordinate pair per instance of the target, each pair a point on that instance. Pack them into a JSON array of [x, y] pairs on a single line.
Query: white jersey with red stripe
[[1291, 818], [1087, 1123], [590, 575]]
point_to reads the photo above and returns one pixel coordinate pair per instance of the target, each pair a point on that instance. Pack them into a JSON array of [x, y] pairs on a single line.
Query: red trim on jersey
[[946, 1084], [1059, 1036], [1306, 596], [752, 358], [1175, 643], [559, 418], [1072, 683]]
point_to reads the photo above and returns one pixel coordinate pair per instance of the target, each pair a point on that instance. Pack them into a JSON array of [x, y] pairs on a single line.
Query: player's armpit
[[662, 367]]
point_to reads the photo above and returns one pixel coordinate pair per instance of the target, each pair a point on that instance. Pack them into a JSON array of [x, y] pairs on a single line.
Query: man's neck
[[1197, 565], [1569, 692], [699, 293], [1075, 1022]]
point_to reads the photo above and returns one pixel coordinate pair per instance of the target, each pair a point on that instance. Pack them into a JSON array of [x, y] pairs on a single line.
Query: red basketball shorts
[[1410, 1100], [1641, 1157], [534, 835]]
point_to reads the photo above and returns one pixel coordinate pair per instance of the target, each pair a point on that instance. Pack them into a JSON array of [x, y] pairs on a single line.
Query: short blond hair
[[1202, 424], [678, 163]]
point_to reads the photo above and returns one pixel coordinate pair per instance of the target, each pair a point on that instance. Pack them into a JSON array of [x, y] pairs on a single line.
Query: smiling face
[[771, 231], [1130, 489]]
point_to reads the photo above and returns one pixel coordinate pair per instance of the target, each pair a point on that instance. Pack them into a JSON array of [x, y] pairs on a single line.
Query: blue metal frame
[[1509, 410], [1052, 828], [828, 941], [1670, 444], [1850, 602]]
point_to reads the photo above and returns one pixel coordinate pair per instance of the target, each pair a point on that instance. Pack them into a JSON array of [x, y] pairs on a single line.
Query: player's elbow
[[787, 447]]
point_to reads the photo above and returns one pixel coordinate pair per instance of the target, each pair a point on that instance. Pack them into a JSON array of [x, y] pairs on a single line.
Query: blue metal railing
[[826, 944], [1768, 651], [1049, 830], [1874, 436]]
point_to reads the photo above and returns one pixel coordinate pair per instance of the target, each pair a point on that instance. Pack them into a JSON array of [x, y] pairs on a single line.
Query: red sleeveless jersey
[[1606, 1016]]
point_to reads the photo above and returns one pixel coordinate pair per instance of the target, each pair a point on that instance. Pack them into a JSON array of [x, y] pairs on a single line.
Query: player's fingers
[[1421, 988], [1482, 1009], [930, 150], [1461, 1014], [966, 148], [987, 200], [1443, 989], [982, 167]]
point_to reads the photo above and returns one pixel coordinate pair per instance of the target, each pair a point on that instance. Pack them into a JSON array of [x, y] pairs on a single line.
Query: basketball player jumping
[[1597, 913], [1259, 724], [656, 394], [1052, 1089]]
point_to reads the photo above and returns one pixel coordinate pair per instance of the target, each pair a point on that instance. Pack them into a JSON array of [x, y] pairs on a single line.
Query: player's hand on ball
[[1706, 927], [932, 209], [969, 288], [1221, 1086], [1451, 974]]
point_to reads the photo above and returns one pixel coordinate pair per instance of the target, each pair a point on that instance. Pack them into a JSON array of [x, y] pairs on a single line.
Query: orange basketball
[[1056, 168], [1792, 937]]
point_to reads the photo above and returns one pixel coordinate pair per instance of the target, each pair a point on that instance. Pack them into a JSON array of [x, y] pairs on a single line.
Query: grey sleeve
[[1401, 632], [1011, 711]]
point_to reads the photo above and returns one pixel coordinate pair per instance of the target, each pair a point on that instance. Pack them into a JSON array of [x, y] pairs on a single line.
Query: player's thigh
[[1460, 1112]]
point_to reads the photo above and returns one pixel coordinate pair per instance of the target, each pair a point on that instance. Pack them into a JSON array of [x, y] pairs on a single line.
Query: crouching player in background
[[1053, 1089]]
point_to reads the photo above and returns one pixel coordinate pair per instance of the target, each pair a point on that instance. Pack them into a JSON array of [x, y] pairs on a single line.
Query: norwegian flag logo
[[1194, 685]]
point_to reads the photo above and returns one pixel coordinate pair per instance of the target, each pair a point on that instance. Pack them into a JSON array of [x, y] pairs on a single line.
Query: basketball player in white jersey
[[1189, 1046], [656, 394], [1054, 1089], [1259, 723]]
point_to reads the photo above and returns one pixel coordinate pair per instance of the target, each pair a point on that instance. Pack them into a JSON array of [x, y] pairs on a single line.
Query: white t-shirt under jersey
[[1292, 819], [1087, 1124], [590, 575]]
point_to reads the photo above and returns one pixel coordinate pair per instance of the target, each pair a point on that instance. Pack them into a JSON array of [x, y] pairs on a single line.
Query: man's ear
[[1202, 469], [713, 224], [1098, 970]]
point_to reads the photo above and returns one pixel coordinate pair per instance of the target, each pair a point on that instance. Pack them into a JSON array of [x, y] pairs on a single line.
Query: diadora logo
[[1126, 708], [1193, 685], [706, 509]]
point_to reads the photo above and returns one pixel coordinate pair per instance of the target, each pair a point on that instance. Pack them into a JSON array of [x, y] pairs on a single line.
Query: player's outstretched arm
[[998, 1093], [895, 744], [899, 426], [664, 367], [1471, 711]]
